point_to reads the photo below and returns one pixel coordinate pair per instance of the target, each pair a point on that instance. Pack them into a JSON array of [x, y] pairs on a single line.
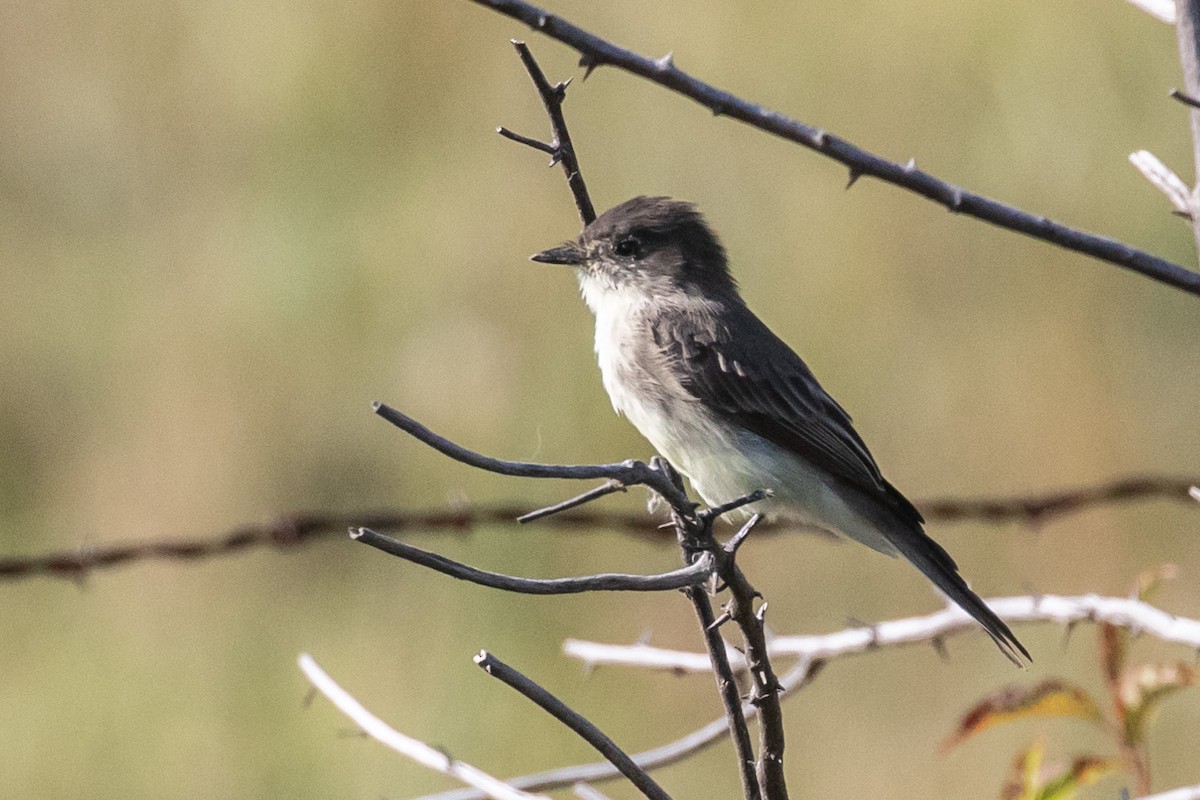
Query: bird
[[727, 402]]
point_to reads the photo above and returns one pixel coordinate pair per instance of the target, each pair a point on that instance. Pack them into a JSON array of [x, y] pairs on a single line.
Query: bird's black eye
[[629, 247]]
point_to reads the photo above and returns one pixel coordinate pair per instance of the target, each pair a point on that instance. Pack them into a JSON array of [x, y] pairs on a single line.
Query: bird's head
[[647, 245]]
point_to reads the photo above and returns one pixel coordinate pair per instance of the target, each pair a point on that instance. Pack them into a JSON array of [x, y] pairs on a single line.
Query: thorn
[[854, 176], [543, 20], [589, 65], [666, 62], [517, 42], [956, 200], [718, 622], [718, 110], [911, 166], [820, 137], [644, 639], [560, 89], [1068, 630], [761, 614]]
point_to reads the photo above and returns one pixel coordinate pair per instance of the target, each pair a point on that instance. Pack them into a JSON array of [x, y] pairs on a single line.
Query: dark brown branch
[[735, 717], [560, 149], [294, 530], [595, 51], [691, 575], [576, 722], [674, 752], [603, 490], [627, 473], [766, 686], [1184, 98]]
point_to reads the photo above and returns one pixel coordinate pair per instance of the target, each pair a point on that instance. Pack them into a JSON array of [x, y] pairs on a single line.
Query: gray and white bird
[[726, 401]]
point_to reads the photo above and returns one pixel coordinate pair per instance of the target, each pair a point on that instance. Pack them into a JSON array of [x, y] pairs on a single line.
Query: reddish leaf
[[1050, 698]]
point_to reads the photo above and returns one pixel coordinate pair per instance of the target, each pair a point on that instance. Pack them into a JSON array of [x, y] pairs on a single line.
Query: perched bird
[[726, 401]]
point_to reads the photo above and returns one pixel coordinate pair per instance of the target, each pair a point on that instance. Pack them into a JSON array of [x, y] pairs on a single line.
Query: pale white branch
[[1165, 180], [420, 752], [1182, 793], [1163, 10], [1123, 612]]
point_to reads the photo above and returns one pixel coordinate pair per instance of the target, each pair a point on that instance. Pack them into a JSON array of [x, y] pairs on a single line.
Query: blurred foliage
[[1135, 694], [225, 228]]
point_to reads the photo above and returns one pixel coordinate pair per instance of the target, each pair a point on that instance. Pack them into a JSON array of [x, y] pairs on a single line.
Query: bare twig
[[423, 754], [1166, 181], [604, 489], [627, 473], [1184, 97], [691, 575], [1187, 34], [575, 721], [672, 753], [560, 148], [1182, 793], [718, 662], [595, 51], [293, 530], [1058, 609]]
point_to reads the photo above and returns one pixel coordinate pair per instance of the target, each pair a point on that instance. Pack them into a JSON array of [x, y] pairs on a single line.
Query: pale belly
[[724, 464]]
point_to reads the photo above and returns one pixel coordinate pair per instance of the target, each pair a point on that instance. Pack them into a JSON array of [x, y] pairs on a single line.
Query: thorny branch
[[816, 652], [595, 51], [423, 754], [694, 532], [576, 722], [929, 629], [560, 149], [294, 530]]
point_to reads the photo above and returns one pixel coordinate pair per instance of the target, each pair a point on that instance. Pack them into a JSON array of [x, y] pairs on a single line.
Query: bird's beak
[[569, 254]]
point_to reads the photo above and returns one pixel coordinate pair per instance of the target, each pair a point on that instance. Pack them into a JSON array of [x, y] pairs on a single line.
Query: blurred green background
[[225, 228]]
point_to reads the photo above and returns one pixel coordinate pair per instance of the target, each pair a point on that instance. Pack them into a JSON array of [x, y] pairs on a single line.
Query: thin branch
[[423, 754], [1184, 98], [1165, 180], [293, 530], [734, 721], [561, 150], [1134, 615], [628, 473], [1187, 34], [1161, 10], [595, 51], [603, 490], [575, 721], [691, 575], [765, 695], [672, 753], [1182, 793]]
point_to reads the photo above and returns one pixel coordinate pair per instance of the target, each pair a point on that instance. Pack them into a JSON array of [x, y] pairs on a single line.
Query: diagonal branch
[[575, 721], [423, 754], [560, 149], [595, 51], [674, 752]]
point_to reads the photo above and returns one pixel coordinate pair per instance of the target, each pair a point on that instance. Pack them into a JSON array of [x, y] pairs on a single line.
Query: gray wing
[[752, 377]]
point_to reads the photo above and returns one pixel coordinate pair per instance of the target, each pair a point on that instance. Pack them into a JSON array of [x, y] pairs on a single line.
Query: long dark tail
[[937, 565]]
